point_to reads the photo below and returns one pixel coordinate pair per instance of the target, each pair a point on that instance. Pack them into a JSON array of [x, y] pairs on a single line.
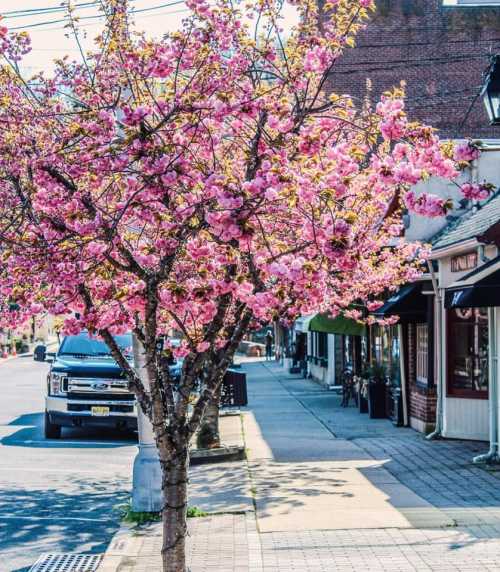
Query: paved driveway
[[55, 496]]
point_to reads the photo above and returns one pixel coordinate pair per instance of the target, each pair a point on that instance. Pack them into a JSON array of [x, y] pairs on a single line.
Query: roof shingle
[[470, 224]]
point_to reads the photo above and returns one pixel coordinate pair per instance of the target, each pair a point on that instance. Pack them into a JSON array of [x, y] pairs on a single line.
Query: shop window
[[422, 352], [468, 352], [322, 345], [348, 353], [464, 262], [386, 350]]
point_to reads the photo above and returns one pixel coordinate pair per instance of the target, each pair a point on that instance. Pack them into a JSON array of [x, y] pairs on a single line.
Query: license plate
[[100, 411]]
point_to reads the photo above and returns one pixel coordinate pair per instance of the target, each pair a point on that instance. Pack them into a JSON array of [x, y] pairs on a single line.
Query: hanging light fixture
[[491, 91]]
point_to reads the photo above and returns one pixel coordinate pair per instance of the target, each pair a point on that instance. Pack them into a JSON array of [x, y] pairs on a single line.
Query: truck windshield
[[84, 345]]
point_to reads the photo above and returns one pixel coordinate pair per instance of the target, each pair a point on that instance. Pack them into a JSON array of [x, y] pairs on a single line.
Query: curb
[[124, 545], [23, 355], [17, 356], [218, 455]]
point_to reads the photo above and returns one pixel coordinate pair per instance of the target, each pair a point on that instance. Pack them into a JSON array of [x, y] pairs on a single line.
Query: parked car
[[86, 387]]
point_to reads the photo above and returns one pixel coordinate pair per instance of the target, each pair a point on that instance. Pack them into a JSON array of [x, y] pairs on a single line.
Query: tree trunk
[[208, 434], [175, 481]]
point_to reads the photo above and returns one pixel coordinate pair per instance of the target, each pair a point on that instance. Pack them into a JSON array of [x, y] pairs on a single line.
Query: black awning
[[408, 303], [484, 293]]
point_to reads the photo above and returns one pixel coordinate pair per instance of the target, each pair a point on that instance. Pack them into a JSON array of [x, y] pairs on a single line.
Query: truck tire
[[51, 430]]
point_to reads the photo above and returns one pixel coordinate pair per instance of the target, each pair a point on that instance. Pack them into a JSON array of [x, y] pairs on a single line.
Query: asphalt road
[[55, 496]]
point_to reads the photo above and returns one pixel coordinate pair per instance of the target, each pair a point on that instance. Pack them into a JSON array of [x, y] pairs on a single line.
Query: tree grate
[[67, 563]]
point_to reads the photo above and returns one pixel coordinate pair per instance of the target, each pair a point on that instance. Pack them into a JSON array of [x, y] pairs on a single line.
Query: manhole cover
[[67, 563]]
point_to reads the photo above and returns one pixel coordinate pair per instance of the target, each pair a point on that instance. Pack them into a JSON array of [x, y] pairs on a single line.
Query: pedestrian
[[269, 346]]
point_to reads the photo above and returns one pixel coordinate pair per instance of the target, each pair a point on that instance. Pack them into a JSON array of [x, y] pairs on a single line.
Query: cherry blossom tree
[[207, 182]]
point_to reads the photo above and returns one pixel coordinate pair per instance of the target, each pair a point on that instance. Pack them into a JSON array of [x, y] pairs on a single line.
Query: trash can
[[39, 353], [234, 389]]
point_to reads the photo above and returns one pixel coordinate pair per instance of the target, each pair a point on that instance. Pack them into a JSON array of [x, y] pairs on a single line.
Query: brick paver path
[[313, 464], [390, 550], [440, 472]]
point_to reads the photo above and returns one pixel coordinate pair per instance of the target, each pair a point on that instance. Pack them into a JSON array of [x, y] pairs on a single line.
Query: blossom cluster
[[207, 176]]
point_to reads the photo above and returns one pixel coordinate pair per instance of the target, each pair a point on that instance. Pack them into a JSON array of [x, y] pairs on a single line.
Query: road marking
[[52, 518], [70, 471], [60, 444]]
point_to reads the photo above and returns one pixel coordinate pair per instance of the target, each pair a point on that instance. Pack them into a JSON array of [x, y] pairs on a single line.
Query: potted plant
[[377, 387]]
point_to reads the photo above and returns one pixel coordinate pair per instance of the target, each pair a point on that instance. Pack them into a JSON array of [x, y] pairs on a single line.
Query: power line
[[441, 43], [422, 63], [37, 11], [410, 61], [97, 16]]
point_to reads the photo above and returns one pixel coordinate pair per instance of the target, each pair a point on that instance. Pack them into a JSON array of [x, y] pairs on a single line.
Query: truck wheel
[[52, 431]]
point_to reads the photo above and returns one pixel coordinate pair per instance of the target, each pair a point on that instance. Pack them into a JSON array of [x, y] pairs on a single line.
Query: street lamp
[[491, 91]]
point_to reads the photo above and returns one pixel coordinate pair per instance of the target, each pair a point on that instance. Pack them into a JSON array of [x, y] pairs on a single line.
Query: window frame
[[422, 356], [455, 392], [322, 345]]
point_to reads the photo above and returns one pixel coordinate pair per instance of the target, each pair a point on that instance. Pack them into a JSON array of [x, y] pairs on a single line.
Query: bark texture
[[208, 434], [175, 482]]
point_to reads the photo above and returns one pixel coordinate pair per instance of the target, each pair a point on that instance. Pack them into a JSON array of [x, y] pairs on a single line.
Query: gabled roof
[[470, 225]]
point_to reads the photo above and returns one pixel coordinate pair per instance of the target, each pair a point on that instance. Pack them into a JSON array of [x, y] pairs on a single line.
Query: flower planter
[[376, 400]]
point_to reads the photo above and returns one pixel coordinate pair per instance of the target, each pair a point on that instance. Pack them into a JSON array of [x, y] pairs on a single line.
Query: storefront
[[471, 351], [404, 350], [333, 345]]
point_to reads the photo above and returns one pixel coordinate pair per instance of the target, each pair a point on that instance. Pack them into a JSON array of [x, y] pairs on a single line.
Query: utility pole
[[146, 478], [146, 492]]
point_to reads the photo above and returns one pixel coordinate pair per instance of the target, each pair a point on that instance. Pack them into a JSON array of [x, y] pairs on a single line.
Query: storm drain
[[67, 563]]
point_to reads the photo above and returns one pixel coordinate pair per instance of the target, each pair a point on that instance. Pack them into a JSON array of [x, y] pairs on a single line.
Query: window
[[464, 262], [322, 345], [473, 2], [422, 349], [84, 344], [468, 352], [348, 353], [386, 350]]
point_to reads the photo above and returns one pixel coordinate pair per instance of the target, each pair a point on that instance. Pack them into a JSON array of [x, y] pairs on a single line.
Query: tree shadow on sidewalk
[[33, 522]]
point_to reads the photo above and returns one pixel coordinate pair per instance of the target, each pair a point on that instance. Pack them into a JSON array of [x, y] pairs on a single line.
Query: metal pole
[[492, 454], [439, 369], [146, 491], [402, 365]]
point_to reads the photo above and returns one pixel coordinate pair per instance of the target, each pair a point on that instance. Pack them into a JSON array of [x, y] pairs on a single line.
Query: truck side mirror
[[50, 357], [40, 353]]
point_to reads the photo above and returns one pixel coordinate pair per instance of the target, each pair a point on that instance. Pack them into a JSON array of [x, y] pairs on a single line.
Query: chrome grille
[[92, 385], [98, 396]]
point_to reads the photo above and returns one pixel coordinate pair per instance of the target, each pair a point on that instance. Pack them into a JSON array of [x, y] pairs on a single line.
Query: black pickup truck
[[86, 387]]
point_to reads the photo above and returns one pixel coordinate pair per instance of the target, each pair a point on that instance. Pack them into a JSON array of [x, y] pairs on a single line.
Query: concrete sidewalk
[[332, 491], [450, 506], [306, 478]]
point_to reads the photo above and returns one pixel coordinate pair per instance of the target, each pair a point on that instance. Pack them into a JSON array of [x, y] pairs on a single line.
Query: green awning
[[338, 325]]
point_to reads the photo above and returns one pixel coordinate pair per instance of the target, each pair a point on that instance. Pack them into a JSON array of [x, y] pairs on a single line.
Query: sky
[[49, 38]]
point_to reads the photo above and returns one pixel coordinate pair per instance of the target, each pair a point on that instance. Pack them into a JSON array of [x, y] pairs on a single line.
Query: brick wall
[[423, 405], [422, 399], [440, 51]]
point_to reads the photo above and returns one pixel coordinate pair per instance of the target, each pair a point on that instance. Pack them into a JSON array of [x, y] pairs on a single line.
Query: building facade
[[439, 51]]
